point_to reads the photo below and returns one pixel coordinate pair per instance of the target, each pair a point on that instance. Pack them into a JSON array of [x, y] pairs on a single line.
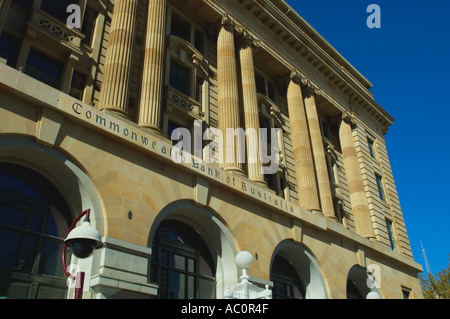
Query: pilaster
[[360, 207]]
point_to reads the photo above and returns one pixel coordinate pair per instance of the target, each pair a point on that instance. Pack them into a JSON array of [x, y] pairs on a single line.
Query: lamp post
[[83, 240]]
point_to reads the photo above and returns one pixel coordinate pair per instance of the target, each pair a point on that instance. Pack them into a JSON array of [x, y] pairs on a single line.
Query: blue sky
[[408, 62]]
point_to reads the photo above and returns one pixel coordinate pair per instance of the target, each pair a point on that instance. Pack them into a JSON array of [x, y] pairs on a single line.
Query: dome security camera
[[84, 240]]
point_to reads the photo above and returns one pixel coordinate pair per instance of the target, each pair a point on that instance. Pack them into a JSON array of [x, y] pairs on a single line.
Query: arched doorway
[[295, 273], [360, 285], [194, 245], [181, 263], [33, 222]]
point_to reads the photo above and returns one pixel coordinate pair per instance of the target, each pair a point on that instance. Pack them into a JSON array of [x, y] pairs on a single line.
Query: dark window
[[43, 68], [179, 77], [33, 223], [390, 231], [260, 84], [371, 147], [88, 26], [181, 263], [25, 5], [198, 41], [9, 48], [57, 8], [180, 28], [380, 186], [286, 282], [77, 85]]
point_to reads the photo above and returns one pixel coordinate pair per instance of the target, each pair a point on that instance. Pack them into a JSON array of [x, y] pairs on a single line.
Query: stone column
[[153, 67], [323, 181], [227, 95], [118, 62], [250, 103], [360, 208], [303, 159]]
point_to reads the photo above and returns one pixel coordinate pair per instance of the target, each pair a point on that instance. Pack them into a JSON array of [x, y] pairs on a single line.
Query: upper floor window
[[380, 187], [44, 68], [390, 231], [186, 31], [9, 48], [88, 26], [371, 146], [57, 8], [265, 87], [77, 85]]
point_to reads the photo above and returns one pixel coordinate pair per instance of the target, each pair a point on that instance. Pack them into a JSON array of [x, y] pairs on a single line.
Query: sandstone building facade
[[86, 116]]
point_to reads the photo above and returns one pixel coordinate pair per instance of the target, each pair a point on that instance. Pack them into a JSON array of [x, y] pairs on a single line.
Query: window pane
[[9, 49], [180, 28], [28, 256], [77, 86], [177, 285], [178, 261], [50, 261], [57, 8], [88, 26], [205, 288], [179, 77], [9, 249], [198, 41], [12, 217]]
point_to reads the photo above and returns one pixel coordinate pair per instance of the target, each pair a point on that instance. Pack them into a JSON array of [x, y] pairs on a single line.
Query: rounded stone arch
[[64, 185], [306, 267], [361, 285], [214, 233], [65, 174]]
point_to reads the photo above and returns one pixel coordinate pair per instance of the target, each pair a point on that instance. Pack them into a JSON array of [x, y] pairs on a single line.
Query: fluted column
[[323, 180], [153, 67], [227, 95], [250, 104], [360, 208], [118, 62], [303, 160]]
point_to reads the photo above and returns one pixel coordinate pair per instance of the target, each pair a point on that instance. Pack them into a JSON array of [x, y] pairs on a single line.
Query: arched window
[[181, 263], [33, 223], [286, 282]]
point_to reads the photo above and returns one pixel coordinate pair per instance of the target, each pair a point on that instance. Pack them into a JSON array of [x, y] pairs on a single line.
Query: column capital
[[247, 39], [349, 119]]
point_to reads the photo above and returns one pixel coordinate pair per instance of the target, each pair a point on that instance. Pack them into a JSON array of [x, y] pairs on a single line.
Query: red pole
[[79, 285]]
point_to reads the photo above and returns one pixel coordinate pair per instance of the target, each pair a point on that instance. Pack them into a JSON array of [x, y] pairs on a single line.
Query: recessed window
[[57, 8], [88, 26], [181, 263], [380, 186], [390, 231], [179, 77], [180, 28], [9, 48], [44, 68], [370, 143], [183, 29], [77, 85]]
